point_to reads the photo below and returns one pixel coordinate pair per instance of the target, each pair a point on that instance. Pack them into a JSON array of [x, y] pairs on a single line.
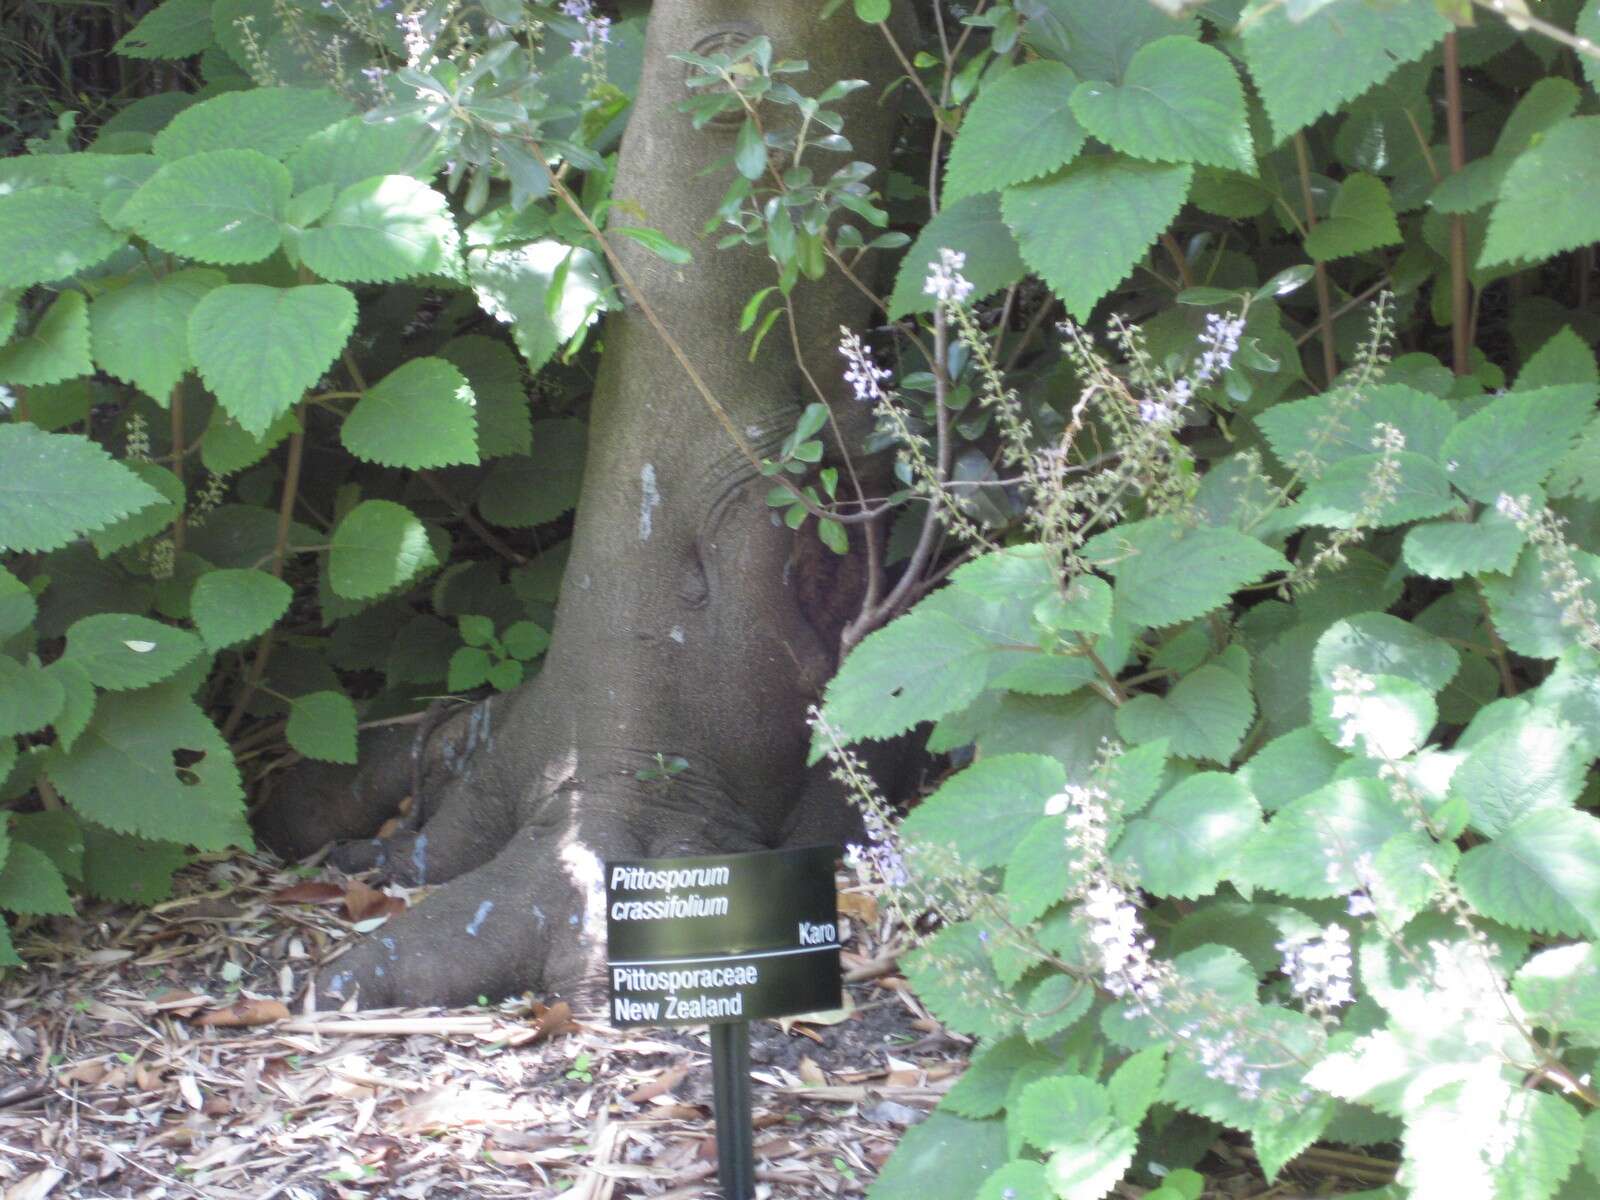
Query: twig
[[1330, 359]]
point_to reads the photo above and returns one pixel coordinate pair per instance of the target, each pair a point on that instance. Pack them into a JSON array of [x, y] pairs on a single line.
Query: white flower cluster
[[596, 29], [1348, 686], [860, 372], [417, 46], [945, 283], [1319, 968], [1219, 343], [1569, 586]]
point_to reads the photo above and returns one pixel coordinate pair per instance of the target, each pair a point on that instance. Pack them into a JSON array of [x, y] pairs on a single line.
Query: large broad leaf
[[54, 486], [421, 414], [261, 348], [1378, 644], [31, 697], [378, 546], [971, 226], [30, 883], [147, 522], [153, 765], [1326, 429], [132, 870], [123, 651], [1542, 874], [1512, 443], [943, 1155], [56, 348], [355, 149], [381, 229], [1083, 228], [982, 813], [1360, 219], [1527, 615], [1303, 69], [233, 606], [954, 975], [1486, 1137], [1180, 101], [521, 491], [323, 725], [1312, 847], [1206, 715], [140, 333], [1167, 572], [1191, 838], [1019, 128], [1351, 493], [271, 120], [1054, 1113], [17, 605], [1544, 202], [546, 291], [1559, 990], [173, 29], [1097, 40], [1289, 766], [504, 425], [1385, 716], [1452, 549], [51, 233], [221, 207], [1537, 762]]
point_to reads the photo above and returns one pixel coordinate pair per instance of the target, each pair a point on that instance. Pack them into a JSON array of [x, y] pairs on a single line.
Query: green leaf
[[322, 725], [1510, 445], [495, 376], [1390, 719], [234, 606], [1055, 1005], [173, 29], [1180, 101], [378, 546], [1303, 69], [954, 976], [131, 870], [17, 605], [750, 151], [1311, 848], [124, 775], [1378, 644], [1035, 881], [1535, 1139], [657, 243], [54, 486], [1559, 990], [147, 522], [422, 414], [228, 449], [1361, 219], [1019, 128], [8, 953], [355, 149], [1021, 1179], [469, 668], [971, 226], [520, 491], [140, 333], [1346, 496], [1534, 763], [546, 291], [222, 207], [56, 833], [983, 812], [57, 348], [382, 229], [1543, 207], [78, 703], [941, 1155], [1096, 40], [1337, 425], [476, 630], [1167, 573], [1453, 549], [121, 651], [1289, 766], [1135, 1084], [52, 233], [30, 697], [1084, 228], [983, 1087], [261, 348], [31, 884], [505, 675], [1541, 874], [1526, 615], [525, 640], [872, 11], [270, 120], [1089, 1167], [1192, 837], [1205, 716], [1053, 1113]]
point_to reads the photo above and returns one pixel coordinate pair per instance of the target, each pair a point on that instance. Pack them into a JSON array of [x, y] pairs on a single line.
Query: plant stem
[[175, 407], [1460, 299], [464, 512], [1330, 358]]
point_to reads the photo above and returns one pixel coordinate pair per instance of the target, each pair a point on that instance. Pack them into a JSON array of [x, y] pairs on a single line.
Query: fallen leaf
[[309, 892], [90, 1072], [548, 1021], [810, 1072], [36, 1186], [658, 1086], [362, 903], [859, 905], [183, 1004], [247, 1010]]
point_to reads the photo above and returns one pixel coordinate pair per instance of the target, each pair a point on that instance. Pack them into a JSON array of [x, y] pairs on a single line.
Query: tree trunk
[[691, 621]]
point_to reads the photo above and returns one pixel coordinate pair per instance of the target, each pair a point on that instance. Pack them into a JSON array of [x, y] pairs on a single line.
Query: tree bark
[[691, 621]]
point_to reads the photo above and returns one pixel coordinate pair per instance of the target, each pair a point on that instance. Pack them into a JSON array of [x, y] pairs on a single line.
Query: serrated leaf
[[521, 491], [1192, 837], [1206, 715], [469, 668], [1528, 618], [971, 226], [77, 704], [1289, 766], [1167, 573], [1541, 874], [1572, 693], [953, 975], [982, 1088], [147, 522], [1179, 101], [1389, 719], [31, 884], [122, 651], [1292, 62], [505, 675], [517, 286], [1535, 763], [52, 233], [1347, 496], [378, 546], [221, 207], [228, 449], [1021, 1179], [140, 333], [1134, 1085], [8, 953], [1055, 1005], [1338, 425], [1543, 208], [30, 697], [233, 606], [1054, 1113], [17, 605], [1035, 879], [1486, 1138], [1019, 128], [355, 149], [1510, 445], [382, 229], [1311, 848], [1559, 990], [123, 773], [1360, 219], [1378, 644], [1096, 40], [941, 1152], [55, 486], [1453, 549], [57, 347], [504, 424], [131, 870], [422, 414], [983, 812], [56, 833], [1092, 1164], [322, 725], [525, 640], [1084, 228], [261, 348], [270, 120], [173, 29]]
